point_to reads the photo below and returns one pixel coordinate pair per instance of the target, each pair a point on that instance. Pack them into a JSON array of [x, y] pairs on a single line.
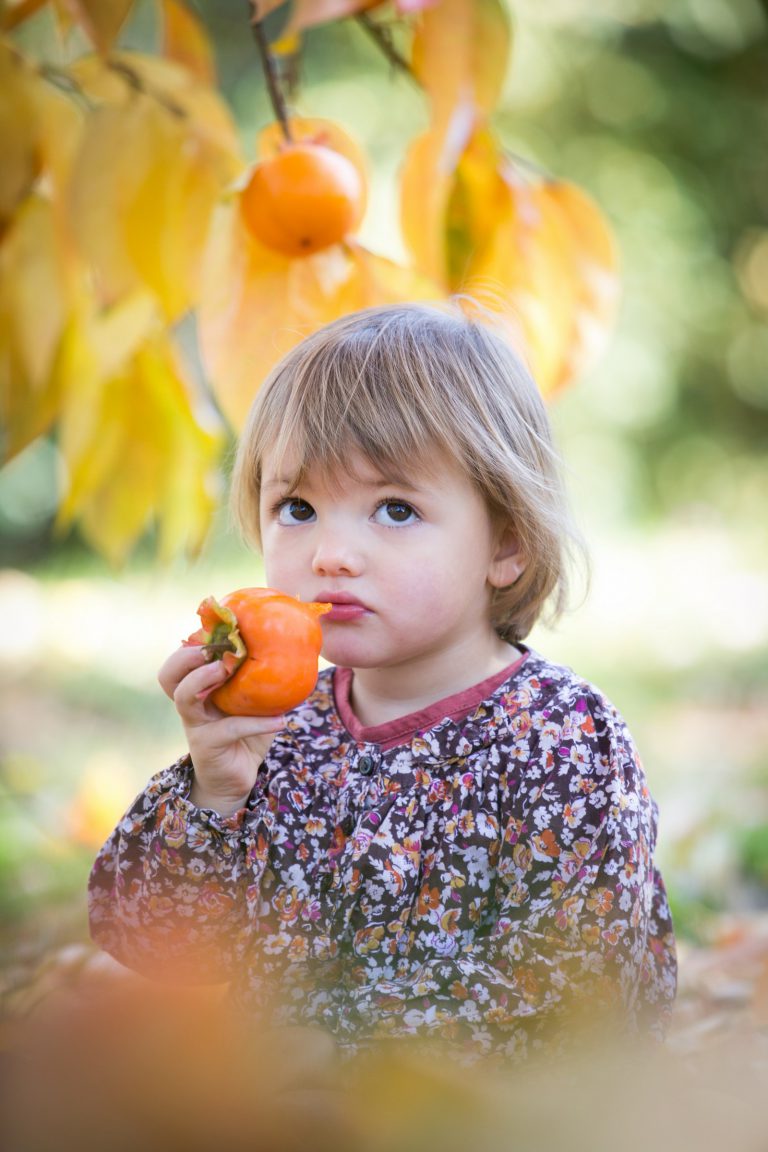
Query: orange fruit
[[269, 642], [305, 198]]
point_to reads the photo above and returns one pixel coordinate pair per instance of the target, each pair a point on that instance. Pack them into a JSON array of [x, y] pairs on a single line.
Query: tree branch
[[276, 96]]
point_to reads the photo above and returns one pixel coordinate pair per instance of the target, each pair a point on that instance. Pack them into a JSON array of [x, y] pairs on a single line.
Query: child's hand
[[226, 750]]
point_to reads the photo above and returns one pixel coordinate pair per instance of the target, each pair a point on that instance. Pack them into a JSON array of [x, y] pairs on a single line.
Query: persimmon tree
[[126, 204]]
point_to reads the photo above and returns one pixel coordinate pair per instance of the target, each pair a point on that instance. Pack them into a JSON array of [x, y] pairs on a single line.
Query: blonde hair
[[405, 383]]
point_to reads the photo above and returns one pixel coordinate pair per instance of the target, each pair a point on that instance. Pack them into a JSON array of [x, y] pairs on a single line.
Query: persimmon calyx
[[220, 635]]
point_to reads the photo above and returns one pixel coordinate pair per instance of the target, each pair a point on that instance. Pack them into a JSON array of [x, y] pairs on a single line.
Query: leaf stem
[[62, 79], [276, 96], [136, 82]]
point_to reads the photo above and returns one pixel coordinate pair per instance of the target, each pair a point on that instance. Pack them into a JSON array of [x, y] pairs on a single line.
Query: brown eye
[[395, 512], [294, 511]]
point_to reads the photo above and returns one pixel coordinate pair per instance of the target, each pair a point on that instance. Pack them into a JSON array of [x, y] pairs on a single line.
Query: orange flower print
[[568, 913], [174, 829], [574, 813], [172, 861], [522, 723], [522, 856], [428, 900], [449, 921], [215, 901], [613, 934], [287, 905], [513, 830], [526, 984], [368, 939], [467, 823], [160, 906], [590, 934], [458, 990], [601, 901], [299, 948], [545, 844]]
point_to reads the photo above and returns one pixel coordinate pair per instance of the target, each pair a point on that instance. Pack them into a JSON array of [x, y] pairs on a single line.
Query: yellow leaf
[[475, 205], [595, 257], [191, 484], [528, 274], [452, 195], [256, 304], [206, 115], [185, 41], [460, 54], [136, 448], [96, 348], [101, 20], [39, 130], [34, 302], [20, 165], [142, 195], [350, 277]]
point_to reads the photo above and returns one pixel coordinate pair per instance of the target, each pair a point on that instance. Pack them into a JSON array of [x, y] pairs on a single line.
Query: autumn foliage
[[126, 205]]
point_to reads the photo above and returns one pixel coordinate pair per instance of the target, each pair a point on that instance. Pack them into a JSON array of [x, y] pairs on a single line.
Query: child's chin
[[348, 654]]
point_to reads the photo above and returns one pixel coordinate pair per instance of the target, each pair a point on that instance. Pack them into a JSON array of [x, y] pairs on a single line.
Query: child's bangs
[[323, 421]]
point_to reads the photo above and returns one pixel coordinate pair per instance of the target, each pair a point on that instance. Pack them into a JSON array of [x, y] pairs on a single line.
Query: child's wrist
[[225, 803]]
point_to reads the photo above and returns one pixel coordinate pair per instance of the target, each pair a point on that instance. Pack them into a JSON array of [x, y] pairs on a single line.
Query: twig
[[270, 72], [383, 41]]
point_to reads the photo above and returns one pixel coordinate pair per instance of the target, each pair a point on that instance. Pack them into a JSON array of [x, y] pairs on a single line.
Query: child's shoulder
[[556, 691]]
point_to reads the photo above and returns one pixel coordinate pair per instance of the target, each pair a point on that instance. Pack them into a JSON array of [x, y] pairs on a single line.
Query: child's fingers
[[230, 729], [178, 665], [192, 692]]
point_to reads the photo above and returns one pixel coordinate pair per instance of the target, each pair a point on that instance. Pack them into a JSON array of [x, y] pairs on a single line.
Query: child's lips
[[345, 607]]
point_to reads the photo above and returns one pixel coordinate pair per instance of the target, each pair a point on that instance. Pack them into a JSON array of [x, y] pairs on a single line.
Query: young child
[[452, 837]]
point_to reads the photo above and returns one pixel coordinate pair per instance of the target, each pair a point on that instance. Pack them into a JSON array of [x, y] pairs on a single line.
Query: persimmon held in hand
[[304, 199], [268, 642]]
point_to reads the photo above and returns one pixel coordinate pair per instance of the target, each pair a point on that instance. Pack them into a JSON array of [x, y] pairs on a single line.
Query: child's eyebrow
[[379, 482]]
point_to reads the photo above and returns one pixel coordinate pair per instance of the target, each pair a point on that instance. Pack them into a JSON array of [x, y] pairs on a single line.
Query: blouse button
[[365, 765]]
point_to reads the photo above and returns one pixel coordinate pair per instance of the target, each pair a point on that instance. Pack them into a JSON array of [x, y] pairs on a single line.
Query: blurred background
[[658, 109]]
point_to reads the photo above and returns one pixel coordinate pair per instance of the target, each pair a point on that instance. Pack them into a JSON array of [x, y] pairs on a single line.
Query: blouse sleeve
[[176, 889], [582, 924]]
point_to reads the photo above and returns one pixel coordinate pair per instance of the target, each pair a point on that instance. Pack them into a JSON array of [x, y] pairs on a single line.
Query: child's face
[[410, 565]]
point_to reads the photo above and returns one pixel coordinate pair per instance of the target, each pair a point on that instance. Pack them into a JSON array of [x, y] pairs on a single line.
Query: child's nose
[[337, 555]]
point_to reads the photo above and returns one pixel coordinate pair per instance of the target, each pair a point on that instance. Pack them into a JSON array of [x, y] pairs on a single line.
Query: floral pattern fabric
[[465, 886]]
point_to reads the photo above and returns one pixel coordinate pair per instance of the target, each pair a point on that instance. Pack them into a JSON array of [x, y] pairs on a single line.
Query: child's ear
[[508, 561]]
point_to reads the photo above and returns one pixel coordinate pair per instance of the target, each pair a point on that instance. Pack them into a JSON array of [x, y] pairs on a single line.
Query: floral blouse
[[465, 885]]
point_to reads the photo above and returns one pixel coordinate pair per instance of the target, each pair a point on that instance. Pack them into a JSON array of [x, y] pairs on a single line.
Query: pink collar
[[404, 728]]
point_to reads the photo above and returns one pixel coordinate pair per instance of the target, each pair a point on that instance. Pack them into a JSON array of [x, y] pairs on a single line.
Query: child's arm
[[226, 751], [582, 930], [176, 887]]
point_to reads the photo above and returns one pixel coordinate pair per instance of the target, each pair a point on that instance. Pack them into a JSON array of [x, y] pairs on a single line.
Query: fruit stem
[[216, 649], [276, 96]]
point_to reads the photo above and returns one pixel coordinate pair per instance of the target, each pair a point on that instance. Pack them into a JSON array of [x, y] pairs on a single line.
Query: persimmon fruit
[[269, 643], [303, 199]]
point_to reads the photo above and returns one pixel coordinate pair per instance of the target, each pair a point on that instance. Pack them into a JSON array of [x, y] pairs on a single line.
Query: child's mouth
[[345, 607]]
